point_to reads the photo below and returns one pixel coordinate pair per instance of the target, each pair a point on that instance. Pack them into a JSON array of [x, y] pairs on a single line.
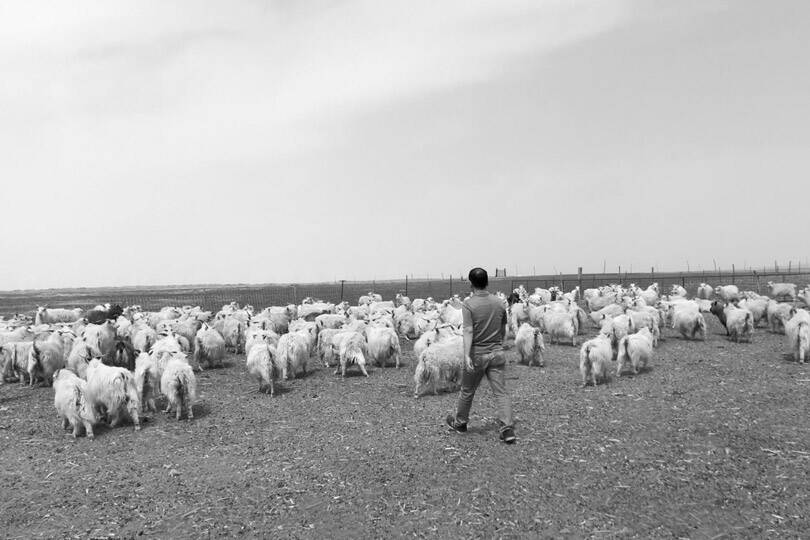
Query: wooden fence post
[[756, 275], [451, 286], [579, 279], [342, 281], [733, 273], [406, 284]]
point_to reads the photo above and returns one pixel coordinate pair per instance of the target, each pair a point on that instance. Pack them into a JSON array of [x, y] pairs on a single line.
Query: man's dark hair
[[478, 278]]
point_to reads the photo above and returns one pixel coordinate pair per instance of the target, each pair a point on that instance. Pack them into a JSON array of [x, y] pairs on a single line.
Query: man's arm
[[467, 333], [504, 322]]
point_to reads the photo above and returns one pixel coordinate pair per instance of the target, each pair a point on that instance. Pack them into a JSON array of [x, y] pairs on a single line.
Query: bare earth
[[712, 440]]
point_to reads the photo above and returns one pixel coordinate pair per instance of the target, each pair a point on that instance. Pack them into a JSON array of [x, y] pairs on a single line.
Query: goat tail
[[803, 333], [587, 356], [188, 383]]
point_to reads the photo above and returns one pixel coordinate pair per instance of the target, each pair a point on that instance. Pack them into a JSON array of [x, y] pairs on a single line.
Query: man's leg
[[469, 383], [497, 381]]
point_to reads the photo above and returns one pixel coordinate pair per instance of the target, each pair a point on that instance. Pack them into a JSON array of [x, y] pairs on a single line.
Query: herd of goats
[[109, 364]]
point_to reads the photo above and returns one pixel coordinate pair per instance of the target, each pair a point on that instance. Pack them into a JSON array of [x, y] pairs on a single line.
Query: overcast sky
[[221, 142]]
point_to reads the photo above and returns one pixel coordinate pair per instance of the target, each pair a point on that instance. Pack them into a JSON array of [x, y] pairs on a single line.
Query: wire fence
[[259, 296]]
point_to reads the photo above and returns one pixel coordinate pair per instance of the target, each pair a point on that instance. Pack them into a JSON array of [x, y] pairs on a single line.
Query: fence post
[[733, 273], [451, 286], [406, 284], [579, 279], [652, 275], [756, 275], [342, 281], [683, 281]]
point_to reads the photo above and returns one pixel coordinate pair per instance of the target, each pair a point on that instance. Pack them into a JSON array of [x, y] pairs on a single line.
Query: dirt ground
[[712, 441]]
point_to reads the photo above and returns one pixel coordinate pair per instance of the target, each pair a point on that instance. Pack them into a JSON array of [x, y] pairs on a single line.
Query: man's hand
[[468, 363]]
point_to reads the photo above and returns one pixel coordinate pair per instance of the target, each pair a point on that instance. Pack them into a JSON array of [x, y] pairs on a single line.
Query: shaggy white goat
[[530, 345], [71, 404], [637, 348], [179, 385], [594, 358], [112, 390], [797, 330], [261, 365], [146, 381]]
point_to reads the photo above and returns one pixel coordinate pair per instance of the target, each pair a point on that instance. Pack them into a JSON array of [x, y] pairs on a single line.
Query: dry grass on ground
[[712, 439]]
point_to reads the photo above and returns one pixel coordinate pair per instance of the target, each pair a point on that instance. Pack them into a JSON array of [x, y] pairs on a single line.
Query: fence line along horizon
[[799, 268], [213, 297]]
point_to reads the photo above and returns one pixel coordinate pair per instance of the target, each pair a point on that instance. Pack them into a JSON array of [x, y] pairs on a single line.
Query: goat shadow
[[788, 357], [628, 372], [279, 389], [200, 410], [9, 399], [352, 372]]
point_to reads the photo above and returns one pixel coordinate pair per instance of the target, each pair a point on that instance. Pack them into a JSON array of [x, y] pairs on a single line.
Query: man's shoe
[[508, 435], [455, 426]]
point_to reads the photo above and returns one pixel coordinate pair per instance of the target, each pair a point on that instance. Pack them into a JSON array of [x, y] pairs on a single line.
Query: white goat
[[15, 360], [727, 293], [637, 348], [71, 404], [209, 347], [594, 358], [530, 345], [112, 390], [179, 385], [352, 351], [705, 291], [261, 364], [797, 330], [146, 381], [79, 357], [739, 323], [690, 323], [55, 315], [778, 314], [785, 291], [441, 365], [45, 358], [292, 354], [561, 327], [382, 345]]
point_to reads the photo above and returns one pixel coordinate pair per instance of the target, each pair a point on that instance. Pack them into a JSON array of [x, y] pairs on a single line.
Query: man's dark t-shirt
[[484, 312]]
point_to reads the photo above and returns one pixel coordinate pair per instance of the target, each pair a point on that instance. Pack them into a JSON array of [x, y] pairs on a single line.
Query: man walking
[[484, 326]]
